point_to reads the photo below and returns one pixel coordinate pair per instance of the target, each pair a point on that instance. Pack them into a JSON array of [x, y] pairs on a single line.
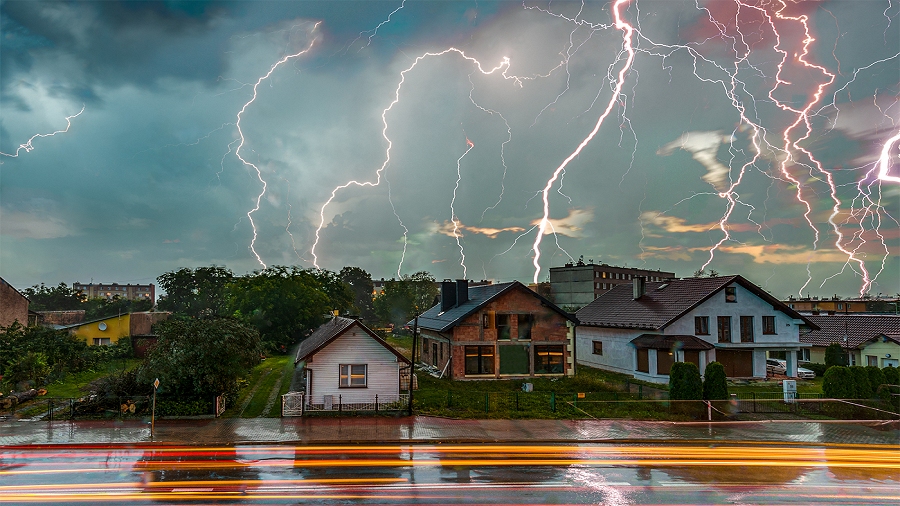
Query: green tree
[[101, 307], [339, 293], [282, 303], [201, 357], [715, 384], [31, 366], [684, 382], [58, 349], [861, 387], [876, 377], [891, 375], [838, 383], [195, 292], [58, 298], [402, 300], [360, 283], [835, 355]]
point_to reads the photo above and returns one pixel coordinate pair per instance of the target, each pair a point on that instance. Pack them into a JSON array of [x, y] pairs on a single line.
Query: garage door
[[738, 363]]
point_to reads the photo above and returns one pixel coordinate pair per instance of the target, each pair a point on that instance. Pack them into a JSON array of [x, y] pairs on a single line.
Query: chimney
[[639, 285], [448, 295], [462, 291]]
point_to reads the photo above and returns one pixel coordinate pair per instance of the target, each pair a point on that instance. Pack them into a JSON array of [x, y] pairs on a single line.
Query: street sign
[[156, 383]]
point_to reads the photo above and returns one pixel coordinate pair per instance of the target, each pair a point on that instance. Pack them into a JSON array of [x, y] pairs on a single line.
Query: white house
[[644, 328], [346, 362]]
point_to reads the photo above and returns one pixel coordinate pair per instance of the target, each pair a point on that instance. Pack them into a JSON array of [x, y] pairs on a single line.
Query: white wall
[[618, 353], [355, 347]]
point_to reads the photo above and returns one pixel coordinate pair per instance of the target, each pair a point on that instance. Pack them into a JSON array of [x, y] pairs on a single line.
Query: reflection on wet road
[[749, 473]]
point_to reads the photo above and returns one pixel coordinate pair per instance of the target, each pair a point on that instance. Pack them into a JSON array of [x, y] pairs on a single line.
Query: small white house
[[345, 362], [643, 329]]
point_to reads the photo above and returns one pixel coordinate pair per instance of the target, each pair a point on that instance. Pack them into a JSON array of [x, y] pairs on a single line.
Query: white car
[[805, 374], [775, 366]]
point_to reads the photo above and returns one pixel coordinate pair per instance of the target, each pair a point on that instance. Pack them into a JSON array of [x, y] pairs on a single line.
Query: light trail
[[620, 82], [237, 151], [28, 145]]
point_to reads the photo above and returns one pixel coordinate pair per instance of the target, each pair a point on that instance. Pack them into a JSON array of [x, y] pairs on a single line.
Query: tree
[[360, 283], [339, 293], [838, 383], [876, 377], [402, 300], [835, 355], [282, 303], [201, 357], [58, 298], [101, 307], [684, 382], [57, 349], [891, 375], [861, 387], [715, 384], [195, 292]]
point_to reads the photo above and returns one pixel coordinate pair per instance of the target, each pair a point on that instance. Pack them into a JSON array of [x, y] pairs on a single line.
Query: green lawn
[[75, 385], [255, 393]]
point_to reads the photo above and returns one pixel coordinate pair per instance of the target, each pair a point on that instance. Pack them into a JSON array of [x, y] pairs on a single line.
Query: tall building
[[577, 285], [110, 290]]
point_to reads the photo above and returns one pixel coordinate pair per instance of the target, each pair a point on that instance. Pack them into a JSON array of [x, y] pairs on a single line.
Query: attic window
[[730, 294]]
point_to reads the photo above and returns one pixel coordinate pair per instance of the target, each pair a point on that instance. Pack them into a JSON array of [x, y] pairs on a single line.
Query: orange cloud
[[786, 254], [572, 225], [446, 228]]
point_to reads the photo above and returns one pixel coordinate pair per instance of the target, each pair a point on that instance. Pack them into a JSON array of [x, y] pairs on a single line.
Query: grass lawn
[[74, 385], [255, 393], [813, 386]]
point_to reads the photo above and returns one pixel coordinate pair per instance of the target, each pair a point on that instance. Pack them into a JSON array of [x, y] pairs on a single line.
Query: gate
[[292, 404]]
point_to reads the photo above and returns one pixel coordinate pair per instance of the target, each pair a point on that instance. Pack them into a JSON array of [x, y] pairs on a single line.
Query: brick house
[[13, 305], [496, 331]]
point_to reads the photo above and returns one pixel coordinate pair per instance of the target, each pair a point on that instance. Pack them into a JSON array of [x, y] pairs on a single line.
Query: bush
[[838, 383], [861, 387], [819, 369], [891, 375], [876, 377], [835, 355], [684, 382], [715, 385]]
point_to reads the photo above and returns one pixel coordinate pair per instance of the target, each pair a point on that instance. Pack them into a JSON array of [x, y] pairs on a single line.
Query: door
[[737, 363]]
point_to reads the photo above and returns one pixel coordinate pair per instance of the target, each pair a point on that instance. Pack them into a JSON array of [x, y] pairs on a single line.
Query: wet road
[[744, 473]]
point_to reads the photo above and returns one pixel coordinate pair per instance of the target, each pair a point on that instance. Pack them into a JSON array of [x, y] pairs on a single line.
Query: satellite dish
[[102, 326]]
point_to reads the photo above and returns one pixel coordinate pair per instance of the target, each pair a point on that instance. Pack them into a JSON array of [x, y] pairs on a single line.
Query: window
[[548, 360], [701, 325], [479, 360], [664, 361], [723, 325], [598, 347], [102, 341], [730, 294], [604, 275], [441, 351], [872, 360], [746, 329], [840, 306], [353, 376], [643, 360], [597, 286], [503, 328], [434, 354], [525, 322], [768, 325], [486, 321]]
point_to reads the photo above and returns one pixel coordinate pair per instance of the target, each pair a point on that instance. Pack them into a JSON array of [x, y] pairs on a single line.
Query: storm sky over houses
[[693, 166]]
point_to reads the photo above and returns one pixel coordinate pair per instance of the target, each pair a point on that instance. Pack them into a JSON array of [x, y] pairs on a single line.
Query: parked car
[[805, 374], [775, 366]]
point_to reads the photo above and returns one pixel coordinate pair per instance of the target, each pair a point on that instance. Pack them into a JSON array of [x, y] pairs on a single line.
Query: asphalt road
[[616, 474]]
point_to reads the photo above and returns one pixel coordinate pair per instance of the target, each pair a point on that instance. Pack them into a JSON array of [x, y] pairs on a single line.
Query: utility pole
[[412, 362]]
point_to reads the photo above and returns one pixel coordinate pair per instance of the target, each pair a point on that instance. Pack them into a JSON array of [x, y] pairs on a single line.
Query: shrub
[[838, 383], [715, 386], [684, 382], [835, 355], [876, 377], [891, 375], [819, 369], [861, 387]]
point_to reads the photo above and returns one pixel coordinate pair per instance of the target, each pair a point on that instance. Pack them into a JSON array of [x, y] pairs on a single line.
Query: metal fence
[[121, 407], [294, 404]]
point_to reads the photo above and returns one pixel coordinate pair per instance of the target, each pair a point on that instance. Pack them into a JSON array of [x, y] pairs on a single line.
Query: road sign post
[[153, 411]]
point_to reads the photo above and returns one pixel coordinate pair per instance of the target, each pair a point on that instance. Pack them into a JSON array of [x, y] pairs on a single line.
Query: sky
[[477, 139]]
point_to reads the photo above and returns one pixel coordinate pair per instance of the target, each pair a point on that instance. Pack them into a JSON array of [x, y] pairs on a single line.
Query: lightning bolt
[[627, 31], [237, 151], [453, 217], [884, 160], [27, 146]]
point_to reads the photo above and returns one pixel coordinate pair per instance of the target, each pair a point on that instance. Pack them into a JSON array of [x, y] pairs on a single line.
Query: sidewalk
[[432, 430]]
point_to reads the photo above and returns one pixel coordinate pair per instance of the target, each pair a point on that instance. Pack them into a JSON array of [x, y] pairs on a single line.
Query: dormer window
[[730, 294]]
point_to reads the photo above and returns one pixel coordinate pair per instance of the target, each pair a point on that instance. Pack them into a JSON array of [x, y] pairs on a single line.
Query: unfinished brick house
[[496, 331]]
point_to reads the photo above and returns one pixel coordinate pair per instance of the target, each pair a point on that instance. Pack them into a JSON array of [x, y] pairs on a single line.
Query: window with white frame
[[353, 376]]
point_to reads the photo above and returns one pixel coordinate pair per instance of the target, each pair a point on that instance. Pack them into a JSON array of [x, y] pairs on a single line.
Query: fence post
[[553, 402], [517, 400], [302, 404], [50, 408], [754, 401], [640, 392], [449, 398], [376, 403], [340, 403], [487, 403]]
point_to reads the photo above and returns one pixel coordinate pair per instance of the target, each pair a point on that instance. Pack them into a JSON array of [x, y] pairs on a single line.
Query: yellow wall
[[880, 349], [117, 327]]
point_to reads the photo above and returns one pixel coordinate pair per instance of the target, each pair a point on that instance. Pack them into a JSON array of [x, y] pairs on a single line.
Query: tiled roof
[[663, 302], [434, 319], [858, 328], [331, 330], [669, 342]]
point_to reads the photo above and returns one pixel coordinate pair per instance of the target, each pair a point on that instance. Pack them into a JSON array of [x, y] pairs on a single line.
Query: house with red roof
[[497, 331], [644, 328], [868, 339]]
